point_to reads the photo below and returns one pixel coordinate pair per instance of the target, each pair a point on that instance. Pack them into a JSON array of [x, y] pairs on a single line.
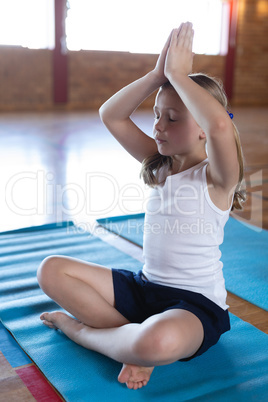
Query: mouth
[[159, 141]]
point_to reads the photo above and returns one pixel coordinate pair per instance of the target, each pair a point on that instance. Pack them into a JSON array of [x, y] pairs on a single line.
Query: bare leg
[[86, 291], [133, 375], [83, 289], [161, 339]]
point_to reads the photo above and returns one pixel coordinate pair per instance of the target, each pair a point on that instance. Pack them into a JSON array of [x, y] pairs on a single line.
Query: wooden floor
[[66, 166]]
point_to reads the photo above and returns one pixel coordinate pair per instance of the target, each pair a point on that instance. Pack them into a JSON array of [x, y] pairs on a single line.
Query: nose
[[159, 125]]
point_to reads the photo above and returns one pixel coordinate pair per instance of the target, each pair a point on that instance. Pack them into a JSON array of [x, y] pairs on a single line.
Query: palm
[[179, 58], [160, 64]]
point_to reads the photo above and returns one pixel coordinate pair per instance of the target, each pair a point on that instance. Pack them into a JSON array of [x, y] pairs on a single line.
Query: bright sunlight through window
[[142, 26], [139, 26], [28, 23]]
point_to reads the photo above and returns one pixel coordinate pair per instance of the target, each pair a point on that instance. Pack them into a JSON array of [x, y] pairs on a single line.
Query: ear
[[202, 135]]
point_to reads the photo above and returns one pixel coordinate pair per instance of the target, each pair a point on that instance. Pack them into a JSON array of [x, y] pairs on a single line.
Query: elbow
[[106, 114], [220, 126], [102, 113]]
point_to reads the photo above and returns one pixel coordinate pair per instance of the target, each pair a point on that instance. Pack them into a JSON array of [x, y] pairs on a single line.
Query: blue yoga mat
[[235, 369], [244, 254], [10, 349]]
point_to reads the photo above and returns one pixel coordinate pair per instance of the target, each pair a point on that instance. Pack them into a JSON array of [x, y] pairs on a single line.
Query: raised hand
[[179, 57], [160, 64]]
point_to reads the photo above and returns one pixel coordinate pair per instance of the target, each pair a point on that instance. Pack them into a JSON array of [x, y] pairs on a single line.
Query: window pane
[[142, 25], [28, 23]]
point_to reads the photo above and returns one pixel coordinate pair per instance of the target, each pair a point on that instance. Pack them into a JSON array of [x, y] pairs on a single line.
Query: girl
[[175, 308]]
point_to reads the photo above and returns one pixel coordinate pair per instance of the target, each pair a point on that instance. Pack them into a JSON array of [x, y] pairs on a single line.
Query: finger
[[186, 36], [189, 38], [168, 41], [179, 28], [182, 34], [174, 37]]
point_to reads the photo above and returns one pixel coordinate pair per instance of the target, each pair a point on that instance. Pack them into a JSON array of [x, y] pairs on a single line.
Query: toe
[[43, 316], [124, 375], [130, 385], [48, 324]]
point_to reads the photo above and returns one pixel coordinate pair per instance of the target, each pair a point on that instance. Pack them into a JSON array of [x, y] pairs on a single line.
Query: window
[[28, 23], [143, 25]]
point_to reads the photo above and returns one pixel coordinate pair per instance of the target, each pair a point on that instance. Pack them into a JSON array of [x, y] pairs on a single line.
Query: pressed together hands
[[176, 58]]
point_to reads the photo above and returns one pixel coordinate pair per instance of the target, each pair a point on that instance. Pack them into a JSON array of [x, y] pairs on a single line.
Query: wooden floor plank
[[248, 312]]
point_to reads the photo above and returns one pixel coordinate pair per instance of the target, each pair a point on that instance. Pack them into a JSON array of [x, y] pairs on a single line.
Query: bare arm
[[116, 112], [209, 114]]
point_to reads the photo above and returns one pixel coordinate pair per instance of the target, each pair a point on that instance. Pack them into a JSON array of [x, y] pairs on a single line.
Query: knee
[[157, 346], [48, 271]]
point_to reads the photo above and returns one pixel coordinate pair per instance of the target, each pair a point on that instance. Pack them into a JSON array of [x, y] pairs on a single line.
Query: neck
[[182, 162]]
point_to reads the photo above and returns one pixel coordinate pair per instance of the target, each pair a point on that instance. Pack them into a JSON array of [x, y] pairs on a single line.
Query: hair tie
[[230, 114]]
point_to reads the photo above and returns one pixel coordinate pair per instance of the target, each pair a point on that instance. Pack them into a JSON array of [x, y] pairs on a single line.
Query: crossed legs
[[86, 291]]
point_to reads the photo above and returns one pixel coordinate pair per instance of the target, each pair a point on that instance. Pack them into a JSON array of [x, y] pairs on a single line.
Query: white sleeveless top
[[182, 233]]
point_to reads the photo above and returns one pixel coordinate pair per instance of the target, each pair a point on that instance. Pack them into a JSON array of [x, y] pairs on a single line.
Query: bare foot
[[135, 377], [58, 320]]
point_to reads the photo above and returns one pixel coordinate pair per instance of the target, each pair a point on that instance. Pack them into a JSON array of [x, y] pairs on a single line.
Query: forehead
[[168, 98]]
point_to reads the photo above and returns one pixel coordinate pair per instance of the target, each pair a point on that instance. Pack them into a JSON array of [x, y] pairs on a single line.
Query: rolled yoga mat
[[244, 254], [235, 369]]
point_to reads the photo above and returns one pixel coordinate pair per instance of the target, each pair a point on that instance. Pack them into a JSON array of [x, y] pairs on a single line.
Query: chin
[[166, 153]]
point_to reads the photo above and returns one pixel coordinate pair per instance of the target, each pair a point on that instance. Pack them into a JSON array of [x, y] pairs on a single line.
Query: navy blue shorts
[[137, 299]]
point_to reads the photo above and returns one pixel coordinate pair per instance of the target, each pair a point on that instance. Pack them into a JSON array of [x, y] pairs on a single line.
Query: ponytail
[[240, 192]]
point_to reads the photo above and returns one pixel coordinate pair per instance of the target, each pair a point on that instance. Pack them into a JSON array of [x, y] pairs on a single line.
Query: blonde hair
[[153, 163]]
